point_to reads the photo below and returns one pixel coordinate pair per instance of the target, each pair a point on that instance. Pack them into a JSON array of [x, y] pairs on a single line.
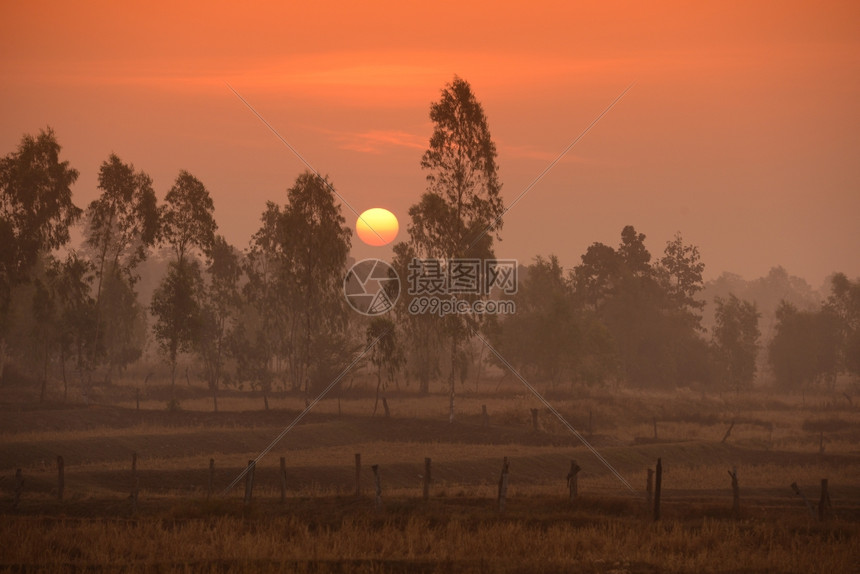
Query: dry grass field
[[322, 526]]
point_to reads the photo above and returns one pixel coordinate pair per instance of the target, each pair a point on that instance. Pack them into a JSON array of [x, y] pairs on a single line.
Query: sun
[[377, 226]]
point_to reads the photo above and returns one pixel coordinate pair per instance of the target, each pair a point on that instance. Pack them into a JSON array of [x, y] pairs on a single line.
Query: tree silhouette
[[735, 340], [122, 223], [186, 226], [36, 211], [460, 212]]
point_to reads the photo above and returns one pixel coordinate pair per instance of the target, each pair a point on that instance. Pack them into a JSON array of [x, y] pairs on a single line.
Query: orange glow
[[741, 127], [377, 227]]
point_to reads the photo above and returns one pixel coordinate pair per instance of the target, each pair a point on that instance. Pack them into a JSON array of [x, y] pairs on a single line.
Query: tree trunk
[[44, 377], [2, 358]]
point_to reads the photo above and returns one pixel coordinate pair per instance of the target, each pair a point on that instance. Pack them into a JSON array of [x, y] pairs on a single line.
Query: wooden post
[[385, 407], [808, 504], [358, 474], [19, 486], [249, 482], [649, 487], [503, 485], [572, 480], [135, 482], [61, 478], [375, 469], [736, 494], [535, 420], [824, 505], [427, 479], [658, 485], [485, 418], [283, 478], [211, 478]]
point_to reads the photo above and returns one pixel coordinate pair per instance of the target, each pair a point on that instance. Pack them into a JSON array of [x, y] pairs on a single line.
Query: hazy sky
[[742, 130]]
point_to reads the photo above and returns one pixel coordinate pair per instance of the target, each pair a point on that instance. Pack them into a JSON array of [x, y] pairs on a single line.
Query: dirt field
[[322, 526]]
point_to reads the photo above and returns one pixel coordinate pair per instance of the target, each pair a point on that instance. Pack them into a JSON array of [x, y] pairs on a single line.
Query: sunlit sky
[[742, 130]]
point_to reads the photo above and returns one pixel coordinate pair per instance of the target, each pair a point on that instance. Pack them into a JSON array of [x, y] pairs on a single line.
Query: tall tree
[[187, 226], [177, 311], [122, 223], [459, 215], [735, 340], [314, 244], [71, 281], [219, 307], [36, 211]]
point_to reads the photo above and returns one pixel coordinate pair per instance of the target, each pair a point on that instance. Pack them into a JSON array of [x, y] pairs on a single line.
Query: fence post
[[573, 481], [211, 478], [19, 486], [824, 505], [503, 485], [658, 485], [249, 482], [736, 494], [283, 478], [358, 474], [385, 408], [649, 487], [375, 469], [61, 478], [485, 418], [135, 482], [427, 478]]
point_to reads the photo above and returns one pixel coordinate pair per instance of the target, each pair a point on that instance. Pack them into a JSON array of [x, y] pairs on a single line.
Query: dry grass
[[322, 528]]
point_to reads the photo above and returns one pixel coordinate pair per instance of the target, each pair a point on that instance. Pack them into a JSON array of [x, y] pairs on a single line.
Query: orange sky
[[742, 131]]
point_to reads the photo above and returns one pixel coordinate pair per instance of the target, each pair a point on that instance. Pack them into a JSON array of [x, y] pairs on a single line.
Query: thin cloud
[[378, 141]]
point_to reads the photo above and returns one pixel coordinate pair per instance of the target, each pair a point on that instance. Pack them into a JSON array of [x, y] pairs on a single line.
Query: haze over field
[[742, 131]]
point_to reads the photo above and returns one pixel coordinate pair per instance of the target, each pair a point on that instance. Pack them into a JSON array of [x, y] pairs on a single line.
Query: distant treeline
[[274, 315]]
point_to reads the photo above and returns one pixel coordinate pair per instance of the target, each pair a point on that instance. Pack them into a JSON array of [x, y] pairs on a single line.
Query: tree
[[805, 347], [122, 223], [460, 212], [186, 221], [177, 311], [71, 281], [648, 309], [681, 269], [735, 340], [542, 338], [36, 211], [844, 303], [386, 355], [314, 244], [219, 307], [262, 332], [187, 226], [422, 330]]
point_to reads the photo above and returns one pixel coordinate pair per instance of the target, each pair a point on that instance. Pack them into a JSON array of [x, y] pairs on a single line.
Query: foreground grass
[[344, 535]]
